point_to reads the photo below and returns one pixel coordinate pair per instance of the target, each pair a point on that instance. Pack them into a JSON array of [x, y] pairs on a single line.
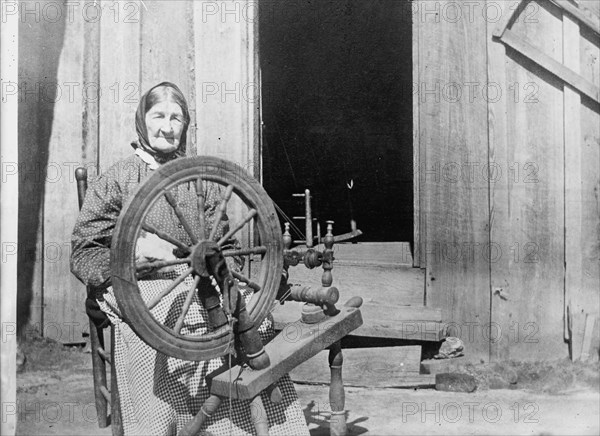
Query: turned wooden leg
[[337, 398], [99, 371], [249, 337], [209, 407], [258, 414]]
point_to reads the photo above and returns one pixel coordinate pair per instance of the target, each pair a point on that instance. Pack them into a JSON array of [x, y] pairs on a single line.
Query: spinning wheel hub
[[201, 254]]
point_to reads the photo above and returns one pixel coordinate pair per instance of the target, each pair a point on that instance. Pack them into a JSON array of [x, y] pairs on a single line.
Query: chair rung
[[104, 355], [105, 393]]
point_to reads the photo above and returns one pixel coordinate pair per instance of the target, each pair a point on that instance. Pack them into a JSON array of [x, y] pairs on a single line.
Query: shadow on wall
[[40, 46]]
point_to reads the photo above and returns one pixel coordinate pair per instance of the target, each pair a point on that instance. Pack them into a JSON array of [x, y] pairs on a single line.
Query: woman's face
[[165, 123]]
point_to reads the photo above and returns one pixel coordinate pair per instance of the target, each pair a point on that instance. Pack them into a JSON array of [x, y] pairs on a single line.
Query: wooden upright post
[[337, 397]]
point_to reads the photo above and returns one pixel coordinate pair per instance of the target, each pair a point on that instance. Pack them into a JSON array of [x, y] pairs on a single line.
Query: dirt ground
[[55, 397]]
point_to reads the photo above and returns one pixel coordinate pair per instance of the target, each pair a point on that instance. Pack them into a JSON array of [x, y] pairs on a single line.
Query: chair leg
[[337, 398], [99, 374], [115, 412]]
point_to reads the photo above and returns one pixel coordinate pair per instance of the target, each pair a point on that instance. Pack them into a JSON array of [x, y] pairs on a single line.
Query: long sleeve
[[92, 235]]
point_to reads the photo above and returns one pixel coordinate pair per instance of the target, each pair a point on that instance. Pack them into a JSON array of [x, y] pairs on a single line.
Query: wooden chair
[[105, 399]]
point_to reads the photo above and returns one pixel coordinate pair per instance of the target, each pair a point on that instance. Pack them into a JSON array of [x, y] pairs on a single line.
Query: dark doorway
[[337, 111]]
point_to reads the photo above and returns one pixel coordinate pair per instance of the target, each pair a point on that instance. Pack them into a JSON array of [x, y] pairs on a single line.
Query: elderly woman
[[159, 394]]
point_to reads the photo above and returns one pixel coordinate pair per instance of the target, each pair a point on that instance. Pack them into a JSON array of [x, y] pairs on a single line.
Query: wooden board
[[64, 316], [397, 286], [90, 147], [419, 229], [406, 381], [227, 92], [527, 204], [38, 62], [170, 58], [585, 301], [9, 201], [380, 367], [380, 321], [385, 254], [119, 84], [297, 343], [453, 137], [573, 192]]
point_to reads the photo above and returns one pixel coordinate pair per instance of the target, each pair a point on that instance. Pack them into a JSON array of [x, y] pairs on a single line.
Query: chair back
[[82, 185]]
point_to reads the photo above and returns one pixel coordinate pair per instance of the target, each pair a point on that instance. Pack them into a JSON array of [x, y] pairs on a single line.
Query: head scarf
[[144, 106]]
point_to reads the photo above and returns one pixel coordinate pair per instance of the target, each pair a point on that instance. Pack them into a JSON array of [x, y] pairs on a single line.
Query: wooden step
[[380, 321], [374, 253], [399, 285]]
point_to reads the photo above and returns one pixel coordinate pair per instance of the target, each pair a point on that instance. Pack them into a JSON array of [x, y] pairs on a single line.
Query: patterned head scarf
[[161, 92]]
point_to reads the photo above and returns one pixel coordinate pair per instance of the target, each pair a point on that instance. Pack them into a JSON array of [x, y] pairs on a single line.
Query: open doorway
[[337, 111]]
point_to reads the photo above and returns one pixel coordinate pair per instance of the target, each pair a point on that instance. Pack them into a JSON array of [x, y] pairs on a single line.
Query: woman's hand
[[150, 248]]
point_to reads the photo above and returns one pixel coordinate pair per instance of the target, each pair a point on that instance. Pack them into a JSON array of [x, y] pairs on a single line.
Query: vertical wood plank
[[40, 43], [9, 200], [527, 210], [590, 173], [119, 81], [169, 57], [499, 192], [417, 238], [454, 132], [226, 80], [91, 98], [64, 314], [165, 57], [573, 174], [588, 301]]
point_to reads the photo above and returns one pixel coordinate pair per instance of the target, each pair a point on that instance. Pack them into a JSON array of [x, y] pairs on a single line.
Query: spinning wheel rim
[[123, 267]]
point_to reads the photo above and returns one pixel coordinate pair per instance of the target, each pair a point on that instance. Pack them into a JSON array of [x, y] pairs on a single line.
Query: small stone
[[453, 382], [507, 373], [496, 382]]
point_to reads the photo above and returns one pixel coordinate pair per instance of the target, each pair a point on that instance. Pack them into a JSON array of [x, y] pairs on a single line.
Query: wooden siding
[[453, 134], [537, 213], [528, 209], [110, 63], [505, 254]]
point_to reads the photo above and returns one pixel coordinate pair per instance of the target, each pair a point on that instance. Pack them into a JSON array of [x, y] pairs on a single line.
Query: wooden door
[[545, 130]]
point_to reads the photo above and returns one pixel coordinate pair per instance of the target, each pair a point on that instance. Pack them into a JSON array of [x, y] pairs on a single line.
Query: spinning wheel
[[258, 219]]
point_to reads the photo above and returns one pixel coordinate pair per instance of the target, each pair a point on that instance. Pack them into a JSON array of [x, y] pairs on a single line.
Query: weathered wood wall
[[91, 62], [508, 219], [454, 209], [507, 157]]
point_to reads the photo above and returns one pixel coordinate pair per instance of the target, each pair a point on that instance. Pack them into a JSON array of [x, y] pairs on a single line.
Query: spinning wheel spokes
[[173, 203], [221, 212], [237, 228], [261, 249], [254, 286], [179, 280], [256, 220], [157, 264], [162, 235], [186, 305]]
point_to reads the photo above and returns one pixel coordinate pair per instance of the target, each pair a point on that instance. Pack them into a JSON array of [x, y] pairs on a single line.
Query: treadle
[[297, 343]]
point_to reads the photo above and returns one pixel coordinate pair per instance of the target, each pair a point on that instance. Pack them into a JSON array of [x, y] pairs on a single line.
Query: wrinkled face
[[165, 123]]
